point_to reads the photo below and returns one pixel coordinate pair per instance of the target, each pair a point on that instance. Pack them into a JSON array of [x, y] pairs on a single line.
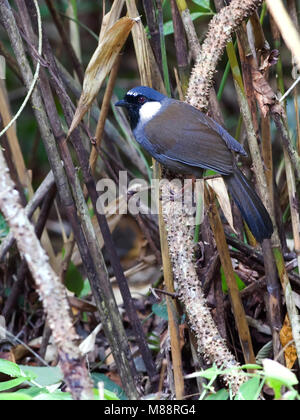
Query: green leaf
[[277, 376], [4, 228], [276, 386], [74, 6], [53, 396], [110, 396], [221, 395], [153, 341], [74, 280], [44, 375], [86, 290], [291, 395], [161, 310], [110, 387], [251, 366], [13, 383], [64, 4], [210, 373], [241, 285], [265, 352], [277, 371], [209, 172], [31, 391], [204, 4], [14, 396], [249, 391], [10, 369], [169, 28]]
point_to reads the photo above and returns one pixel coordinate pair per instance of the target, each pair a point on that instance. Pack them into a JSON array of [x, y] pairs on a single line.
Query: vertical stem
[[104, 112], [274, 298], [154, 31], [163, 47], [180, 47], [238, 310]]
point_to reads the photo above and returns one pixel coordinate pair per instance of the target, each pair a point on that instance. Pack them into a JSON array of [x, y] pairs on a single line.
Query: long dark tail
[[250, 205]]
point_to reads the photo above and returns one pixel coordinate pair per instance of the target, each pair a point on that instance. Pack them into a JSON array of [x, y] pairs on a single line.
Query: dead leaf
[[269, 58], [111, 17], [19, 352], [51, 351], [109, 359], [219, 187], [88, 344], [265, 96], [101, 64], [286, 336], [115, 377], [81, 305]]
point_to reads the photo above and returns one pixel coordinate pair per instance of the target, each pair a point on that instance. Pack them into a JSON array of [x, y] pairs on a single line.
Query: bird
[[186, 141]]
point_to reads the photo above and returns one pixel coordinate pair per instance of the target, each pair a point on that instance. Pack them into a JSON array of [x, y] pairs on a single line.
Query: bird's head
[[142, 103]]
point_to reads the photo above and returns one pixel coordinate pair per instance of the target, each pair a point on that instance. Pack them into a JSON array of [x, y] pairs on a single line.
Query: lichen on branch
[[219, 32]]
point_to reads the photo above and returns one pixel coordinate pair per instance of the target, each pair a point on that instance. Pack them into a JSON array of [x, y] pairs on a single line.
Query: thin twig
[[104, 112]]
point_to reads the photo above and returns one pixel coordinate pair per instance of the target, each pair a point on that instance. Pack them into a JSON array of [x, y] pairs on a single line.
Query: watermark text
[[2, 67], [138, 196]]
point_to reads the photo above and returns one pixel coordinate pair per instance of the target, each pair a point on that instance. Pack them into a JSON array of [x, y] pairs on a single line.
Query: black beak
[[121, 103]]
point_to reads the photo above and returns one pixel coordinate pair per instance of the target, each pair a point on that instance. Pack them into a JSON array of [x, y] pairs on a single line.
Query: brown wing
[[191, 138]]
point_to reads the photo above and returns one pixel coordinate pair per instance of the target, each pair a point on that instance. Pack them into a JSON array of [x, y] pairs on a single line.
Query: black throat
[[134, 116]]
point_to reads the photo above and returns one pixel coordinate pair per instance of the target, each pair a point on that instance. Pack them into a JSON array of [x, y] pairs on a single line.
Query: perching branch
[[219, 33], [180, 238]]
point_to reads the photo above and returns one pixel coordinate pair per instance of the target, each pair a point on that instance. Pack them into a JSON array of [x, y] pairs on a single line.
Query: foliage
[[280, 379], [41, 383]]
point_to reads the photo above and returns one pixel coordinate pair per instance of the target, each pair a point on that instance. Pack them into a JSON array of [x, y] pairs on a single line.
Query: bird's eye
[[141, 100]]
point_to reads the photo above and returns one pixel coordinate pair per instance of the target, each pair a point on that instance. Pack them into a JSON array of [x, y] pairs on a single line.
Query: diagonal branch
[[51, 291], [219, 33]]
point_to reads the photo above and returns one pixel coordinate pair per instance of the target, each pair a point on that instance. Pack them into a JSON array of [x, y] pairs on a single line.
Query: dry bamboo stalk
[[237, 306]]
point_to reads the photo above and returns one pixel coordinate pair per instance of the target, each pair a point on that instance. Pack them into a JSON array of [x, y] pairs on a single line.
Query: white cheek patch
[[148, 110]]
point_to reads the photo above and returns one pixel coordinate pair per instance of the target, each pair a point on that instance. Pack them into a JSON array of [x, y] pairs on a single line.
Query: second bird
[[186, 141]]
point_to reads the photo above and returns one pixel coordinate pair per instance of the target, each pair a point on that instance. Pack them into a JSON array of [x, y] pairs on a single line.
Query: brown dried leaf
[[265, 96], [88, 344], [286, 336], [100, 65], [219, 187], [111, 17], [269, 59]]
